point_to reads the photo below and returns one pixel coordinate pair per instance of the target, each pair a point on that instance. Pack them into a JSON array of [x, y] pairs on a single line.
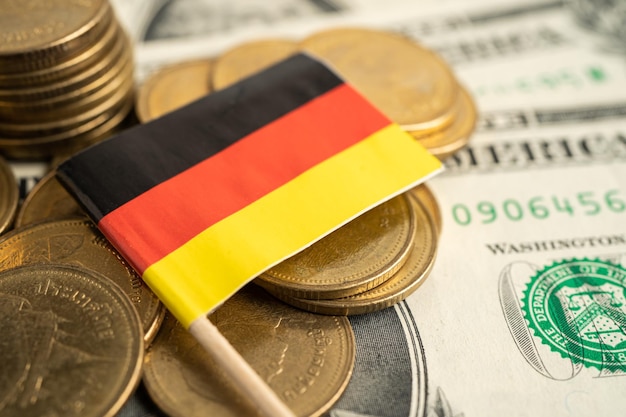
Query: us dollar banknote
[[529, 212]]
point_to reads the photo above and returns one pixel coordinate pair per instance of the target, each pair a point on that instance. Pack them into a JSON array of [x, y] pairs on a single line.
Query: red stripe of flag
[[165, 217]]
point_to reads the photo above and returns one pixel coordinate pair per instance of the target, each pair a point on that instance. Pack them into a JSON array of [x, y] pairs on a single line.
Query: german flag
[[207, 197]]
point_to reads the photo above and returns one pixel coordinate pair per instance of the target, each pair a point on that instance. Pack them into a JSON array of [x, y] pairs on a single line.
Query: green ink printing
[[578, 308], [584, 203]]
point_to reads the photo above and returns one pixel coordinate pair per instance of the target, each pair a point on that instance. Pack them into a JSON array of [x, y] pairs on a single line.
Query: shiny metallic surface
[[410, 84], [172, 87], [78, 242], [72, 343], [306, 359], [249, 58]]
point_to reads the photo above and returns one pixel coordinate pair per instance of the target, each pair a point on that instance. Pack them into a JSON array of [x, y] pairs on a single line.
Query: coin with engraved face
[[305, 358], [78, 242], [71, 343]]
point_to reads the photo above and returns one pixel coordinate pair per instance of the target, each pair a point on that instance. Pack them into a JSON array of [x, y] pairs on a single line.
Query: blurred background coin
[[172, 87], [249, 58]]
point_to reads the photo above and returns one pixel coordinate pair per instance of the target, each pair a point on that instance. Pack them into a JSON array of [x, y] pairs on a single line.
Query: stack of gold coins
[[180, 376], [409, 83], [373, 262], [66, 76]]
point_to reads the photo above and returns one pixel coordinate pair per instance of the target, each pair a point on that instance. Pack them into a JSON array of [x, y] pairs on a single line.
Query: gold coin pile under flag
[[370, 264], [66, 76], [72, 342]]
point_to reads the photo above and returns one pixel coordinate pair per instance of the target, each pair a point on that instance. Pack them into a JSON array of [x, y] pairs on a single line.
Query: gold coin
[[70, 118], [72, 140], [305, 358], [47, 200], [73, 101], [249, 58], [9, 196], [86, 80], [115, 90], [78, 242], [71, 343], [352, 259], [65, 68], [395, 289], [73, 107], [428, 200], [408, 83], [117, 117], [173, 87], [41, 33], [67, 147], [444, 143]]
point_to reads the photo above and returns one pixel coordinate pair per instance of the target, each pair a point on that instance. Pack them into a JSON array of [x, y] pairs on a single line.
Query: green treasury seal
[[578, 308]]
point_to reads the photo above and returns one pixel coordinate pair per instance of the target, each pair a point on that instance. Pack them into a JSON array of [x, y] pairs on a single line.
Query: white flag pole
[[236, 368]]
